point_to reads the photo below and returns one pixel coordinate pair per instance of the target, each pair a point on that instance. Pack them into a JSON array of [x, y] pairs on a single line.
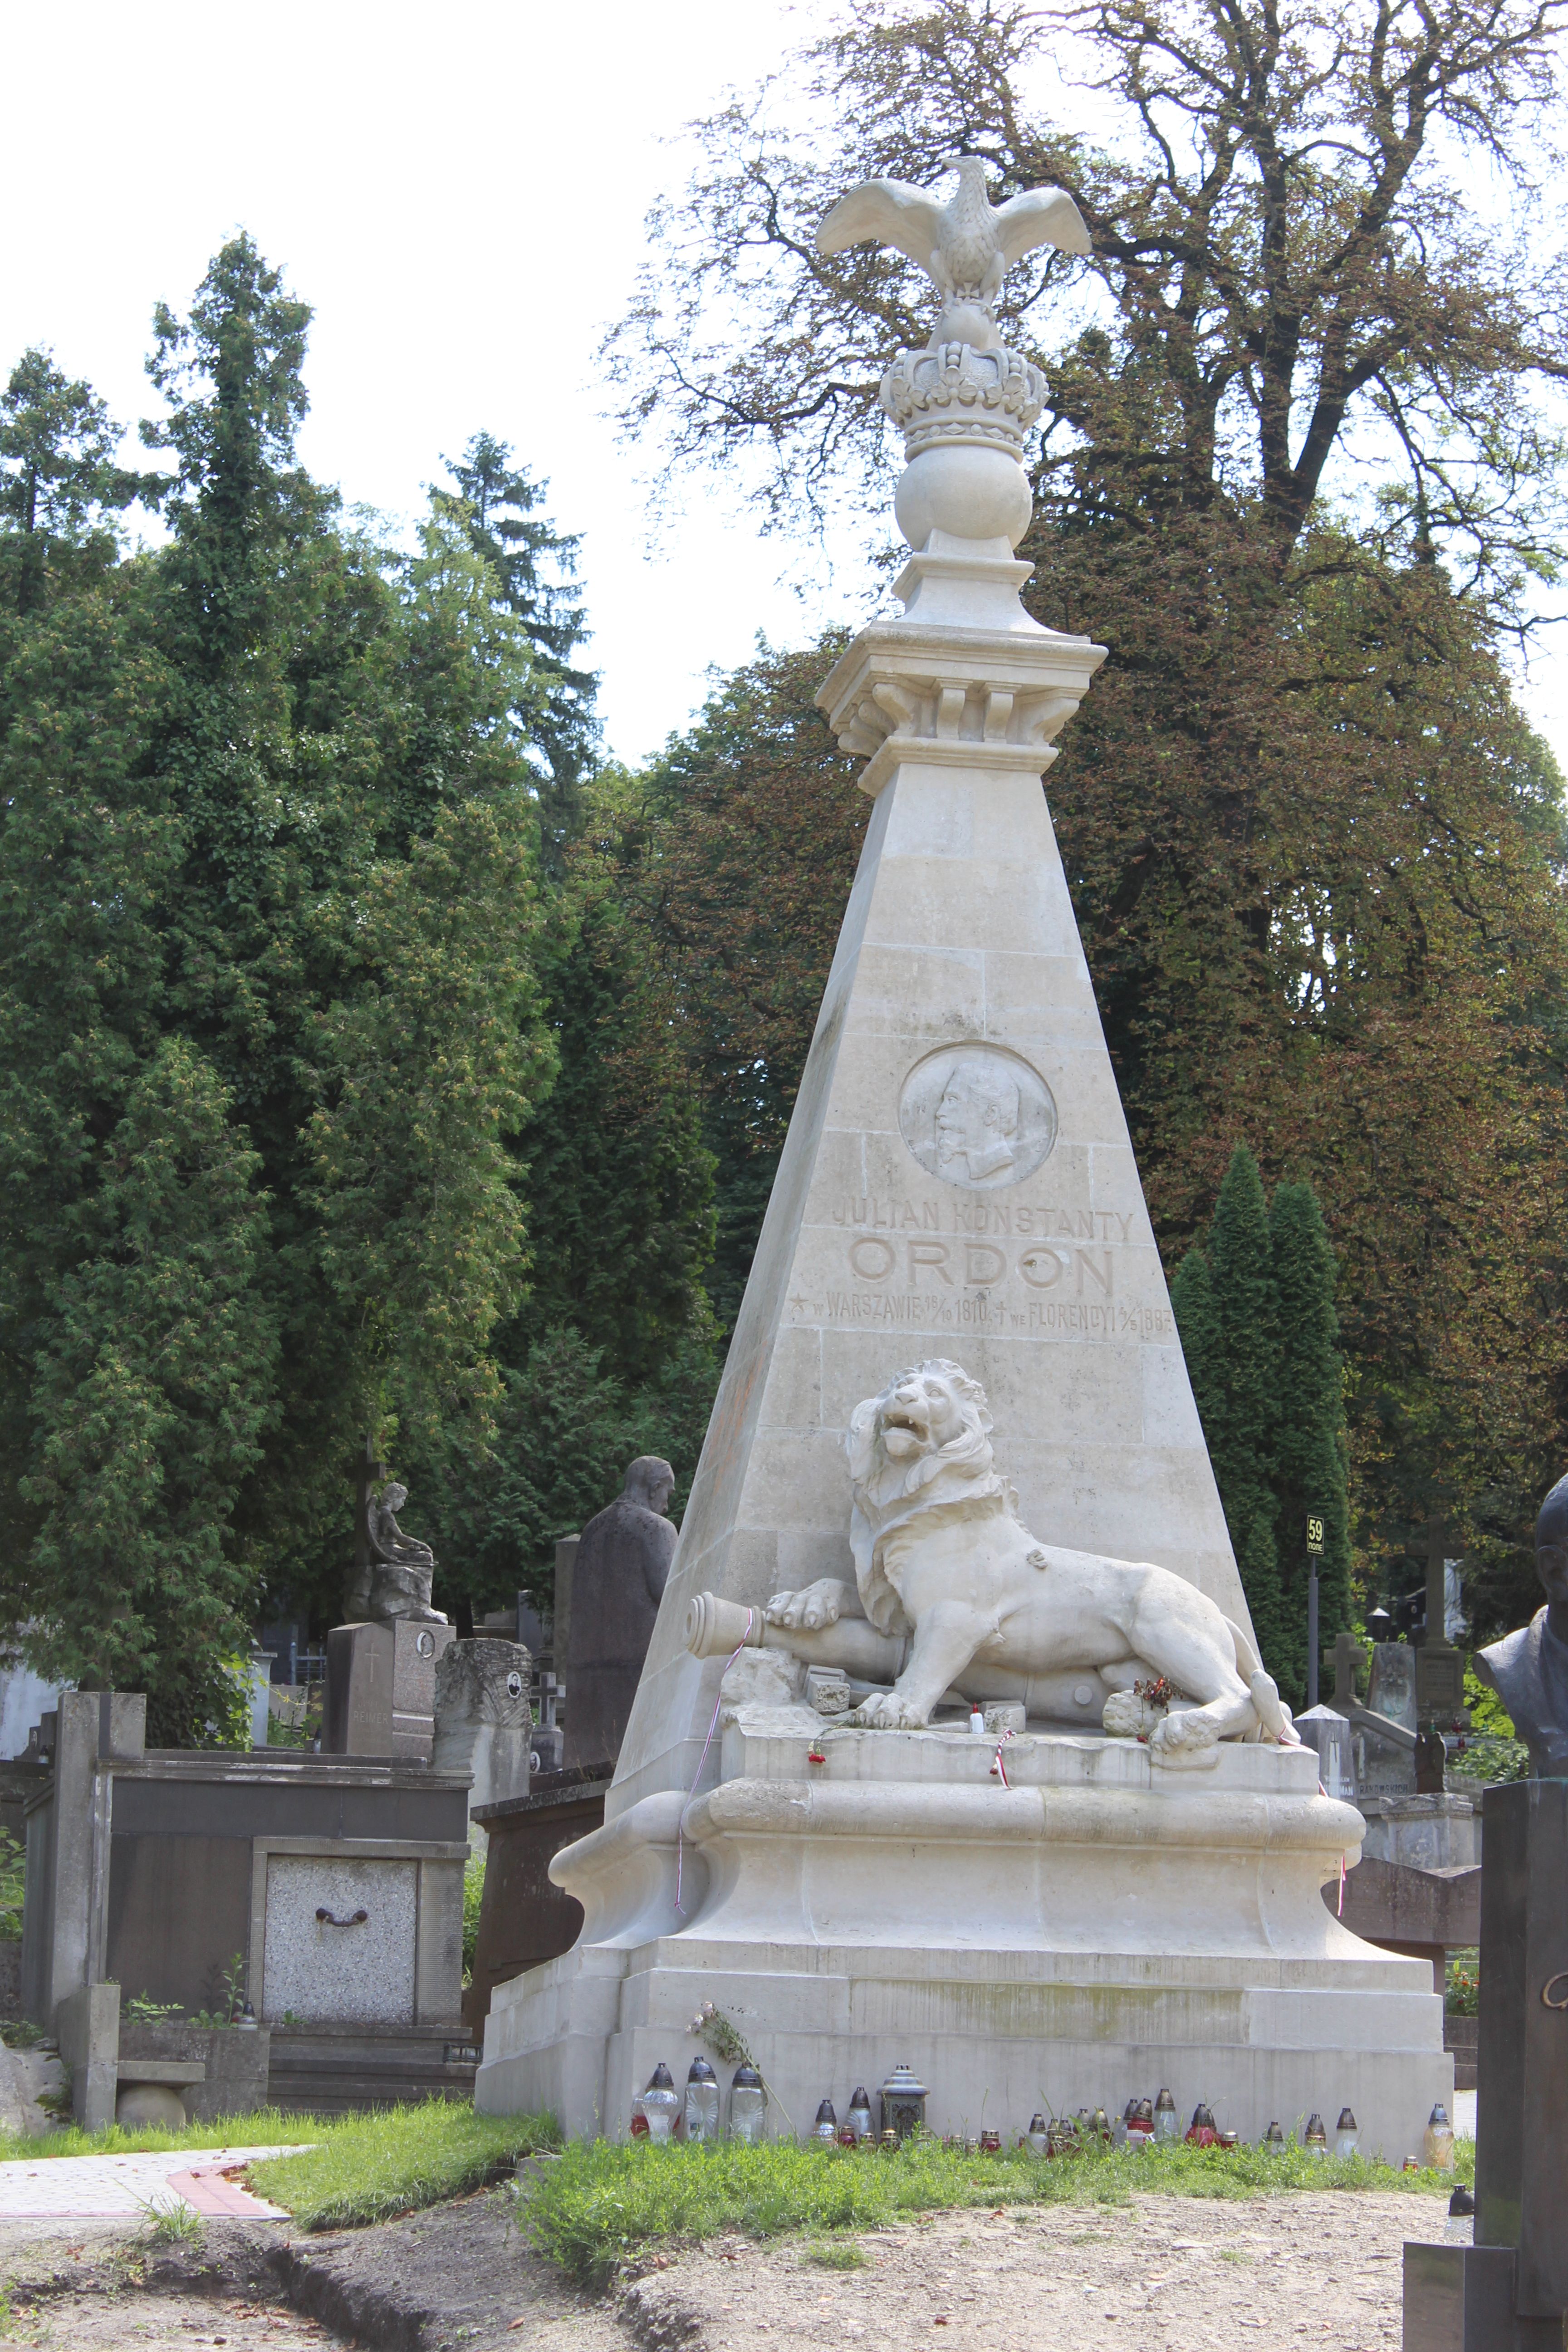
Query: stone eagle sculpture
[[966, 246]]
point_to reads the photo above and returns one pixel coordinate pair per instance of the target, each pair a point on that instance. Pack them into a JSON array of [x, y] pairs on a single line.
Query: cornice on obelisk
[[966, 673]]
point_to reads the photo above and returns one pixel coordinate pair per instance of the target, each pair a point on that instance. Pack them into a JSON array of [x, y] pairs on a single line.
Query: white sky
[[460, 193]]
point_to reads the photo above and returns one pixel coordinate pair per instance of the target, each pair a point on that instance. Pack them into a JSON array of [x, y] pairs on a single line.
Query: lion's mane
[[888, 1494]]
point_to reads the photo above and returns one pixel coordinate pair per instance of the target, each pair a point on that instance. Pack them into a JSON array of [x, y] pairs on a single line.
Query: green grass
[[602, 2201], [263, 2127], [473, 1902], [369, 2168]]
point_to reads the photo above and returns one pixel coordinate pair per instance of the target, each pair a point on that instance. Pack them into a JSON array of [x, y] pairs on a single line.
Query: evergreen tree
[[534, 568], [268, 1024], [152, 1393], [1242, 1448], [1226, 1296], [1310, 1460], [1254, 1307], [752, 827], [619, 1179], [60, 485]]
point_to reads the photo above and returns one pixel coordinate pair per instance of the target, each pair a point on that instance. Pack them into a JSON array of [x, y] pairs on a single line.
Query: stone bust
[[1529, 1669], [401, 1565], [618, 1581]]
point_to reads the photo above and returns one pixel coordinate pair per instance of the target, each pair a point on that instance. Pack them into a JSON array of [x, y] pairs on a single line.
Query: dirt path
[[1169, 2274], [98, 2288]]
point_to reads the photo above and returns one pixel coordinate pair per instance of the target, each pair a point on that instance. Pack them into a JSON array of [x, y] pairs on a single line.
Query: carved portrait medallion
[[977, 1115]]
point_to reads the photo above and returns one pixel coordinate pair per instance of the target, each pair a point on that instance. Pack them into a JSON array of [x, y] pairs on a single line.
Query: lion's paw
[[1186, 1738], [814, 1606], [885, 1711]]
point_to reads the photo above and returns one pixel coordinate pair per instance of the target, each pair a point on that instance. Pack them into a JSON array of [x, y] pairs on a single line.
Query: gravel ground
[[103, 2290], [1168, 2274]]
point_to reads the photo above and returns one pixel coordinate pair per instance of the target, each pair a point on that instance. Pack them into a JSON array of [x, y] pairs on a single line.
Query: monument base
[[1094, 1929]]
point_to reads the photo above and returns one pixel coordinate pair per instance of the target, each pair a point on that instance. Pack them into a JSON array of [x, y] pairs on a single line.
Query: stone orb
[[141, 2104], [968, 489]]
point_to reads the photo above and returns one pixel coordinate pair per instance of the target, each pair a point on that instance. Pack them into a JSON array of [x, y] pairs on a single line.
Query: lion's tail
[[1272, 1713]]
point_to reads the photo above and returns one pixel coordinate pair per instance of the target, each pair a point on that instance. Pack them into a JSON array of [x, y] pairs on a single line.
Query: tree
[[620, 1180], [1295, 468], [1309, 1451], [152, 1392], [752, 829], [59, 482], [269, 1023], [1279, 230], [520, 549], [1254, 1305]]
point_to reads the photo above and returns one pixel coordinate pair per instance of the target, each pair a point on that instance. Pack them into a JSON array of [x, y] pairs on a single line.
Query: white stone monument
[[957, 1268]]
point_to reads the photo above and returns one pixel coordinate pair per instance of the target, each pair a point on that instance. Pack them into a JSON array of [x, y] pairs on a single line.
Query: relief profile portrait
[[977, 1115]]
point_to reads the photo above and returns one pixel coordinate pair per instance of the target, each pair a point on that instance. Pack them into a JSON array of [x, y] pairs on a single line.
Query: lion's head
[[925, 1440]]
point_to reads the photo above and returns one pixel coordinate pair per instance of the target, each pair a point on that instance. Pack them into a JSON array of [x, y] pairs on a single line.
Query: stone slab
[[345, 1969]]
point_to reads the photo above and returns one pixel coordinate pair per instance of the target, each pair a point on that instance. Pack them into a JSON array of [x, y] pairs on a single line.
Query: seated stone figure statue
[[951, 1592], [402, 1567], [1529, 1669]]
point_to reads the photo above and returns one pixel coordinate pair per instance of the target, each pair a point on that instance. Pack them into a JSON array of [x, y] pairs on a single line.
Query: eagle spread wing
[[894, 213], [1039, 216]]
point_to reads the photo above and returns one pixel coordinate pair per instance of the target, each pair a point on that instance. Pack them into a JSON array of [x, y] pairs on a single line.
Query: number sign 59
[[1314, 1536]]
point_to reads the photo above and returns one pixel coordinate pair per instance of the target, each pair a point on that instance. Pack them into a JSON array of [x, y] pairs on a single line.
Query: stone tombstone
[[484, 1718], [618, 1581], [1529, 1668], [380, 1689], [1508, 2291], [1330, 1733], [1390, 1684], [561, 1622]]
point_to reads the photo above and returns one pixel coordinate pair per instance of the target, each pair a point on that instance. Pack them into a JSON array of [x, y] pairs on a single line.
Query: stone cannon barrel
[[714, 1627]]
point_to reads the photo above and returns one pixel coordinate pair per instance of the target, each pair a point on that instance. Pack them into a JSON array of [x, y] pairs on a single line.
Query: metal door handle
[[326, 1919]]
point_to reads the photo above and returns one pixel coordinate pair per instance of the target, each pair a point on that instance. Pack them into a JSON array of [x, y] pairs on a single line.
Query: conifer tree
[[1311, 1465], [534, 568], [1240, 1352], [1254, 1308], [269, 1023]]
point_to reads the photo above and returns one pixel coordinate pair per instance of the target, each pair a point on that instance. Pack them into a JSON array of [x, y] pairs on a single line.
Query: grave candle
[[748, 2106], [701, 2102]]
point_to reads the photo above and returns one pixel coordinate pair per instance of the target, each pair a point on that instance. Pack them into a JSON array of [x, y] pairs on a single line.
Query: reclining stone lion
[[943, 1560]]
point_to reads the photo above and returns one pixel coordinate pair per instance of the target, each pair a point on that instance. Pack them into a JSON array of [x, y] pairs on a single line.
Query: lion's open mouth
[[906, 1429]]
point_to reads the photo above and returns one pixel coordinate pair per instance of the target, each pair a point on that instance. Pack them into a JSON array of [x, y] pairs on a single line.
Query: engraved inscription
[[977, 1117], [894, 1213]]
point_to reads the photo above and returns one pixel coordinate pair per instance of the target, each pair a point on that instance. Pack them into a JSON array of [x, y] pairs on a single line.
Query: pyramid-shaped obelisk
[[958, 1180]]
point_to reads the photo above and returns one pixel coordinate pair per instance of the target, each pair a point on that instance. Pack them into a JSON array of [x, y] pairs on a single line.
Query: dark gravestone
[[1529, 1669], [1522, 2123], [617, 1581], [1508, 2291]]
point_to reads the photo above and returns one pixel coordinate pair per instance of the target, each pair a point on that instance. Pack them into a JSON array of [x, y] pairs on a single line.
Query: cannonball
[[150, 2102]]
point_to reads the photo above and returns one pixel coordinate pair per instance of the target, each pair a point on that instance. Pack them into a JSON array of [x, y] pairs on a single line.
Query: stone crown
[[953, 393]]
